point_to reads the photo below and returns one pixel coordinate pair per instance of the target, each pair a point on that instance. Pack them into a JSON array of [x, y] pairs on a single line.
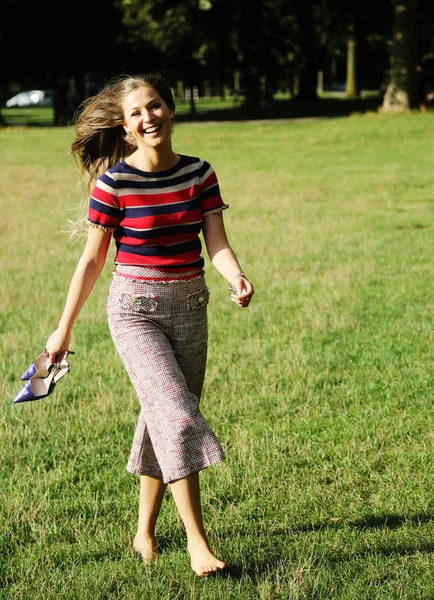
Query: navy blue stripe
[[108, 181], [210, 192], [135, 212], [111, 211], [160, 250], [203, 169], [123, 167], [156, 233]]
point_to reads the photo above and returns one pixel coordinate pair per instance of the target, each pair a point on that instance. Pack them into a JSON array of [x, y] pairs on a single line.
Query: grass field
[[333, 103], [43, 116], [321, 392]]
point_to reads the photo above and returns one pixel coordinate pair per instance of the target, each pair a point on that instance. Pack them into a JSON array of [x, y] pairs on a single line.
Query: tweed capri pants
[[159, 327]]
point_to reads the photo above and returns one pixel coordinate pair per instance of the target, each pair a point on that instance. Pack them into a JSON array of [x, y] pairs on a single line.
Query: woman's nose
[[146, 116]]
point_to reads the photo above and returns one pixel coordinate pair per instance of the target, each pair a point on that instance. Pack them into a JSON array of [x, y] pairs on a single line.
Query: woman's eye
[[155, 106]]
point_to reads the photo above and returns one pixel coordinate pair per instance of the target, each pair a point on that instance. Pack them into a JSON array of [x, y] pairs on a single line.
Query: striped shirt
[[156, 217]]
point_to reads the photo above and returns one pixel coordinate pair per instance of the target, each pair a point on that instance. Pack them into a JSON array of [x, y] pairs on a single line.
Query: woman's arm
[[224, 260], [86, 273]]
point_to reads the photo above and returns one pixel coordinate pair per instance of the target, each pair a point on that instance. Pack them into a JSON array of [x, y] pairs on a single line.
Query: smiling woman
[[148, 120], [154, 202]]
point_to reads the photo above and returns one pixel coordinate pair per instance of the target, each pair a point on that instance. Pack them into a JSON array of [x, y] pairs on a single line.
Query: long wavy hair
[[100, 140]]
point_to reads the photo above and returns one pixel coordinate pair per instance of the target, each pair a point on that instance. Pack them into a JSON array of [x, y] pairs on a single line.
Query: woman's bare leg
[[186, 493], [151, 496]]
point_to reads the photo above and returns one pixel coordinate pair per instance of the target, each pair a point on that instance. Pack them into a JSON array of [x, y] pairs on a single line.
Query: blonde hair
[[100, 140]]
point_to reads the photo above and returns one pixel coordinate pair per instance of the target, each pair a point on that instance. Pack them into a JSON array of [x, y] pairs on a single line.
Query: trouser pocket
[[198, 300]]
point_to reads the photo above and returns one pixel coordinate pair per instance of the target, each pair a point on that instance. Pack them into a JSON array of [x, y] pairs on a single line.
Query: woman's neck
[[155, 161]]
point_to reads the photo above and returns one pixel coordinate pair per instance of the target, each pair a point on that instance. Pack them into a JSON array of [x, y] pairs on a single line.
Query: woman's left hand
[[243, 291]]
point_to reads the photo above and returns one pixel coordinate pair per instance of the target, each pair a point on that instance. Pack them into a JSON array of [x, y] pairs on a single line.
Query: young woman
[[154, 202]]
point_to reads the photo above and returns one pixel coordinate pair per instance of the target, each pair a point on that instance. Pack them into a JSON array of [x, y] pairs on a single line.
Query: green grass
[[40, 116], [321, 392], [333, 104]]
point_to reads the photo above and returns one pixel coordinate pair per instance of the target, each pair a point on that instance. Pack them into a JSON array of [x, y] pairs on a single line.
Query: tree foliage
[[270, 44], [201, 38]]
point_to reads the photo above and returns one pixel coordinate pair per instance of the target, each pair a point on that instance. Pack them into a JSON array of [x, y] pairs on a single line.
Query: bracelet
[[238, 275]]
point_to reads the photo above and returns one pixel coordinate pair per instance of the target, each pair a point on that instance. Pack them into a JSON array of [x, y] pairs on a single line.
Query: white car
[[31, 98]]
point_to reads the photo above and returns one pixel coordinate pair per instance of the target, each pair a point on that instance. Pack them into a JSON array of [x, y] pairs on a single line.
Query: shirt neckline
[[154, 174]]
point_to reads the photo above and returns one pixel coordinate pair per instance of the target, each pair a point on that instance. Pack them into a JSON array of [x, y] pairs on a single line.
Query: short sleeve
[[210, 199], [104, 209]]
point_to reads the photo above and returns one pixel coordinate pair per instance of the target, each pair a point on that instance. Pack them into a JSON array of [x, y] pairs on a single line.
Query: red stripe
[[211, 180], [211, 203], [105, 197], [101, 219], [162, 261], [164, 240], [154, 199]]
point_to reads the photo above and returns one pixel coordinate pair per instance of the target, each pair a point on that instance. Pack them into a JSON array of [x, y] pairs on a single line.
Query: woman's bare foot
[[147, 548], [203, 561]]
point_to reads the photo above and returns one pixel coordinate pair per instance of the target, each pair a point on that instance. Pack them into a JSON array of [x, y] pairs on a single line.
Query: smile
[[152, 129]]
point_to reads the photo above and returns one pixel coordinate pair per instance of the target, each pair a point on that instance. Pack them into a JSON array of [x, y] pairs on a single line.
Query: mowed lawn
[[321, 392]]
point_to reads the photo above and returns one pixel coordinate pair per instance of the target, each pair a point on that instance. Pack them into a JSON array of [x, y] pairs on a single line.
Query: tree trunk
[[351, 87], [401, 92], [237, 86], [308, 67], [192, 103]]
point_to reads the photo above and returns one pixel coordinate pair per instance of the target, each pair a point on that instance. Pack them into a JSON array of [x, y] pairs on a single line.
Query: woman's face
[[147, 118]]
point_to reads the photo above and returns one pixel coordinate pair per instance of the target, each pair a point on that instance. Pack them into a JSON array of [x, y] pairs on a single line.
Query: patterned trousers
[[159, 328]]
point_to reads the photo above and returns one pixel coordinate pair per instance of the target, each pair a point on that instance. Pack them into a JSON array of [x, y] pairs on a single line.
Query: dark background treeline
[[246, 48]]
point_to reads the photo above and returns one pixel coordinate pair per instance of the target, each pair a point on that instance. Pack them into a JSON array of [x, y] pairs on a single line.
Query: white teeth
[[152, 129]]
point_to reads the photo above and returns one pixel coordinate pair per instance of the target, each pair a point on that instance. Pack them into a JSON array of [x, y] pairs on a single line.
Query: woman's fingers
[[242, 301], [54, 356], [56, 347], [244, 292]]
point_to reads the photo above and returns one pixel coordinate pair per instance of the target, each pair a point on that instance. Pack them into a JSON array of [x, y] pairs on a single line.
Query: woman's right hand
[[57, 346]]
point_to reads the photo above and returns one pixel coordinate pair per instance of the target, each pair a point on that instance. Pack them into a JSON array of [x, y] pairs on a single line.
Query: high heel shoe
[[43, 382], [39, 362]]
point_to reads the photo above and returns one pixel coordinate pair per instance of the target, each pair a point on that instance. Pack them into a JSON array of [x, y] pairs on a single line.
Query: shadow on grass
[[275, 109], [392, 521], [275, 558], [272, 564], [289, 109]]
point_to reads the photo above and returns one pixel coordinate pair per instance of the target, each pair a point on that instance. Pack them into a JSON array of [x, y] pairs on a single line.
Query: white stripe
[[156, 192], [106, 188], [208, 173]]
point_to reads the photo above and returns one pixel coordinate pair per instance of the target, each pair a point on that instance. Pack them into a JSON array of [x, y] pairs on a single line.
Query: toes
[[211, 569]]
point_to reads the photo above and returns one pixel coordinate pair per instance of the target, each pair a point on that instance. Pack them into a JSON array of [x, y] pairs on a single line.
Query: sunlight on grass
[[321, 393]]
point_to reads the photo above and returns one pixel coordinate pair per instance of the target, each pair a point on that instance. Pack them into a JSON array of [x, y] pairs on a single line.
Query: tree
[[354, 34], [173, 30], [66, 44], [401, 92], [199, 38], [307, 61]]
